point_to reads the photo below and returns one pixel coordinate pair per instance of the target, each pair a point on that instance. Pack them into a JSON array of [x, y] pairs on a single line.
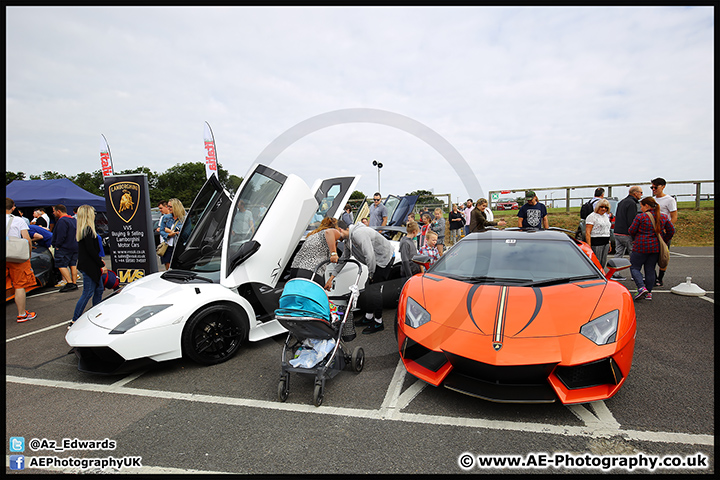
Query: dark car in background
[[506, 204], [156, 216], [43, 265]]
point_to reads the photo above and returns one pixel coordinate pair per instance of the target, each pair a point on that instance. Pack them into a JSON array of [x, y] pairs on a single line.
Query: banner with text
[[105, 158], [210, 156], [132, 245]]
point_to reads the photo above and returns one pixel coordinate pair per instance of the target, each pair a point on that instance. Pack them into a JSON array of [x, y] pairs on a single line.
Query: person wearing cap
[[532, 214]]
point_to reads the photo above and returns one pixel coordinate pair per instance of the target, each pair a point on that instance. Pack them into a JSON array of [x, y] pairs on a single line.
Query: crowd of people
[[640, 225]]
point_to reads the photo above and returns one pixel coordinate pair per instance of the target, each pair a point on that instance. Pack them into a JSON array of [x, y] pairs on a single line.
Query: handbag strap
[[652, 220]]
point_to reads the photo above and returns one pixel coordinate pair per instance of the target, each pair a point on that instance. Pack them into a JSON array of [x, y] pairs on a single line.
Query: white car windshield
[[512, 261]]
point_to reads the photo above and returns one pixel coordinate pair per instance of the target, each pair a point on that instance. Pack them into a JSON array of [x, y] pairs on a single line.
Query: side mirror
[[244, 252], [615, 265], [421, 259], [618, 263]]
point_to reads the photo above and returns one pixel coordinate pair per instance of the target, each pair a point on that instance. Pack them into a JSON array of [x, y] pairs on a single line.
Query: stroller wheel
[[318, 394], [283, 390], [358, 359]]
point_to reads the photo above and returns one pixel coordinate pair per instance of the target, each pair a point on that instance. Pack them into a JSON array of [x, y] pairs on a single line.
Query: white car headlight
[[415, 315], [138, 317], [603, 329]]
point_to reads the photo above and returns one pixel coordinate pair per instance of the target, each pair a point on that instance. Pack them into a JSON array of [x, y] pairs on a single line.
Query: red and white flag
[[210, 157], [105, 158]]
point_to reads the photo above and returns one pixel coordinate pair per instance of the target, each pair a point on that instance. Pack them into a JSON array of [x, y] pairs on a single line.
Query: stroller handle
[[349, 260]]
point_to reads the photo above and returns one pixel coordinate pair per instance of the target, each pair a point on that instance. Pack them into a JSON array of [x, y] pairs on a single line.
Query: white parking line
[[63, 324], [603, 427]]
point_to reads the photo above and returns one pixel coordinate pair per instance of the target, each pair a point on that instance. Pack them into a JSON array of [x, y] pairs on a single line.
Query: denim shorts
[[65, 258]]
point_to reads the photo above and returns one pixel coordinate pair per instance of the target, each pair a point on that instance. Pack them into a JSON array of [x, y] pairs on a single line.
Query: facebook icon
[[17, 462]]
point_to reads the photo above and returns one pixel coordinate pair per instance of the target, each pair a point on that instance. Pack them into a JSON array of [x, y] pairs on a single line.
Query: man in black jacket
[[626, 211]]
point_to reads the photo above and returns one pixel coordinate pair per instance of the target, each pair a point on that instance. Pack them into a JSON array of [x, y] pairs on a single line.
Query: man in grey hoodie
[[372, 249]]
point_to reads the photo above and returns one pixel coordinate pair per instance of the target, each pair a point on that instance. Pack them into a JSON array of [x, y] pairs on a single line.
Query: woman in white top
[[597, 230]]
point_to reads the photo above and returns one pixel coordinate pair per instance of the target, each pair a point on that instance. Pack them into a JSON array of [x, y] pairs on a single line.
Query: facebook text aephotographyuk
[[468, 461], [83, 463]]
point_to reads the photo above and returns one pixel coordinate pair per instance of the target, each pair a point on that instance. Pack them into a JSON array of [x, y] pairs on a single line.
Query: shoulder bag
[[17, 250], [664, 257], [162, 248]]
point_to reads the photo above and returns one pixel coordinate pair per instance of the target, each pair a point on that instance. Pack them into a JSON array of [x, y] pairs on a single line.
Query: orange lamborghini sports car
[[521, 317]]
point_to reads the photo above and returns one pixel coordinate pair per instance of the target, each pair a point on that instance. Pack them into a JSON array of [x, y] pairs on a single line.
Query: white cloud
[[529, 96]]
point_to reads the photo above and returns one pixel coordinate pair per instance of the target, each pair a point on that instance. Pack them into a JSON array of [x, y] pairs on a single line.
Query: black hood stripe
[[469, 299], [538, 306]]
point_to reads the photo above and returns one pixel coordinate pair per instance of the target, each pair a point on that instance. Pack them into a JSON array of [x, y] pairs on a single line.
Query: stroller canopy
[[304, 298]]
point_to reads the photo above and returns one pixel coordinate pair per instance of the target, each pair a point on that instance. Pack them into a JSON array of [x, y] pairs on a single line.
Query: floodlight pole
[[379, 166]]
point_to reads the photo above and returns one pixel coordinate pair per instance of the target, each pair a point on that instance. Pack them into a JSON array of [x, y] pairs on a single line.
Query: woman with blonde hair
[[89, 262], [644, 230], [170, 234], [597, 230]]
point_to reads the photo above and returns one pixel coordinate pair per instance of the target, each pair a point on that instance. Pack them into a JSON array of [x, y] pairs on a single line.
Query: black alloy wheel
[[214, 334]]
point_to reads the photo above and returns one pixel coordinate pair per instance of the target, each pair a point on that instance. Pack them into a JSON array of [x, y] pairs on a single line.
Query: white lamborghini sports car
[[227, 274]]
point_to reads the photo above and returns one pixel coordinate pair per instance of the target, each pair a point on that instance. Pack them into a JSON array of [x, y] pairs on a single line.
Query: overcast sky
[[528, 97]]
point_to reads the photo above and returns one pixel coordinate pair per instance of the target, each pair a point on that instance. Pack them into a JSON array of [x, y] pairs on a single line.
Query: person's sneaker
[[641, 293], [375, 327], [658, 283], [71, 324], [68, 287], [364, 321], [618, 277], [61, 283], [26, 317], [648, 296]]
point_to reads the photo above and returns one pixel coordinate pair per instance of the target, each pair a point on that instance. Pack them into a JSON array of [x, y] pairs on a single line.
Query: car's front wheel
[[214, 334]]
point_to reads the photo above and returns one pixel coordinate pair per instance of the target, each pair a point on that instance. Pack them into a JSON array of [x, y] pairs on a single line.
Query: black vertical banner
[[131, 239]]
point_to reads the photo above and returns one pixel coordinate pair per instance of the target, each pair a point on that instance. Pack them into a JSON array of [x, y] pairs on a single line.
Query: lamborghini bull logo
[[124, 199]]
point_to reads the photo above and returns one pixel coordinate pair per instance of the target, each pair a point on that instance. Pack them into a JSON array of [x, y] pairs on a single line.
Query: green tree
[[12, 176], [91, 182], [48, 175], [357, 195], [425, 197], [233, 184], [181, 181]]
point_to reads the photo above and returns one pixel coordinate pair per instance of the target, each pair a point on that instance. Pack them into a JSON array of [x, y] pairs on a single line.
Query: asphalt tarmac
[[178, 417]]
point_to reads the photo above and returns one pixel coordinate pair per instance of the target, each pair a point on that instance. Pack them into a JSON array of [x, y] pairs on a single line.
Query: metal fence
[[569, 196], [576, 195]]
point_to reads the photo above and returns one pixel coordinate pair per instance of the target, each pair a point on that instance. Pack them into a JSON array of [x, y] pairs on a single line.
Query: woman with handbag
[[169, 233], [648, 230], [90, 264], [18, 270]]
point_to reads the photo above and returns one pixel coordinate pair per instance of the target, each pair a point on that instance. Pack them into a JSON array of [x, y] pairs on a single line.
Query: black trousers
[[371, 301]]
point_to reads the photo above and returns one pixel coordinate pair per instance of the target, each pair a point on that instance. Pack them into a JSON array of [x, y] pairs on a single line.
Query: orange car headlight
[[415, 315], [603, 329]]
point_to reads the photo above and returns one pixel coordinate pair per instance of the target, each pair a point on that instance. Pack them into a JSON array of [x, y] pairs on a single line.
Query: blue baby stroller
[[316, 340]]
